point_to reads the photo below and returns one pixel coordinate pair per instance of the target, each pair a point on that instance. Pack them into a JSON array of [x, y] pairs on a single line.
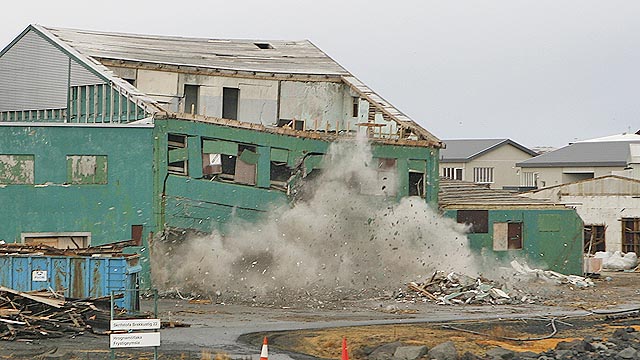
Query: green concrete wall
[[196, 203], [551, 238], [51, 204]]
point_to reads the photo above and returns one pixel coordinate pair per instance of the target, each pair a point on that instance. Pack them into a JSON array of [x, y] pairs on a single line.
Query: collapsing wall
[[338, 237]]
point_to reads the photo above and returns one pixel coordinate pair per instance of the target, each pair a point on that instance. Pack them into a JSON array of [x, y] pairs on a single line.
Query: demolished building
[[114, 136]]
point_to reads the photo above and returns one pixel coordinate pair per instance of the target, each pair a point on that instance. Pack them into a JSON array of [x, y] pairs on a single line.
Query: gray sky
[[539, 72]]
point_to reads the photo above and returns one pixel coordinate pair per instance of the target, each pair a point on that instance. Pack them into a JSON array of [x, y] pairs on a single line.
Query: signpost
[[130, 338]]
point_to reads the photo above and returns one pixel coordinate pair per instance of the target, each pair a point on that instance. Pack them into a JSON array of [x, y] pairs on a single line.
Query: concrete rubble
[[455, 288]]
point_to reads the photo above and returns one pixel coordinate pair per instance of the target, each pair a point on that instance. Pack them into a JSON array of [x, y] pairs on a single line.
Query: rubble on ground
[[455, 288], [46, 314], [523, 270]]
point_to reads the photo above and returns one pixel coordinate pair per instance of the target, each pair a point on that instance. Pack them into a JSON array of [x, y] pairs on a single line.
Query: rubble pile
[[454, 288], [523, 270], [46, 314]]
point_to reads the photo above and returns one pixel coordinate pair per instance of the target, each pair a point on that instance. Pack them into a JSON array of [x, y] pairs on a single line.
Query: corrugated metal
[[75, 277], [34, 75]]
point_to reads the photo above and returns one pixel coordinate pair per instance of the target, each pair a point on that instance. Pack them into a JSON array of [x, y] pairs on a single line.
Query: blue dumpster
[[74, 276]]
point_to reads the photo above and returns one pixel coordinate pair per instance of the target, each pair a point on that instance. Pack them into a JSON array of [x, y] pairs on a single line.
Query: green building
[[504, 226], [109, 137]]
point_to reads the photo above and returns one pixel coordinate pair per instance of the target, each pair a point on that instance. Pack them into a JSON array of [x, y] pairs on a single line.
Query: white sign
[[135, 324], [134, 340], [39, 275]]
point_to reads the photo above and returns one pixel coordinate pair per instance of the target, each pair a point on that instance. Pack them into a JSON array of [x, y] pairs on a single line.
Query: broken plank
[[51, 302]]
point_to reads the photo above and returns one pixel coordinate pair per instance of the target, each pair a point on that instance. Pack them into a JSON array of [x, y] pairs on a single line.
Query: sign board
[[39, 275], [135, 324], [134, 340]]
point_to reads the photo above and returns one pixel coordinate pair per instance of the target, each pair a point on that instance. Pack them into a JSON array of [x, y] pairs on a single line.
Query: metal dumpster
[[74, 276]]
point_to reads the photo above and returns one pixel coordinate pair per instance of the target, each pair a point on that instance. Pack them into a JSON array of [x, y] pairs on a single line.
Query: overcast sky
[[539, 72]]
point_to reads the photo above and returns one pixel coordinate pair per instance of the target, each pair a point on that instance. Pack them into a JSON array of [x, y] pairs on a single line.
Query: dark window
[[479, 220], [131, 81], [136, 234], [416, 184], [293, 124], [593, 239], [191, 98], [355, 110], [177, 154], [631, 235], [230, 97], [514, 236], [263, 46]]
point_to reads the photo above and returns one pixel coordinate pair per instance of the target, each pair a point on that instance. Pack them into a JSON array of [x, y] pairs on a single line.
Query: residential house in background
[[504, 226], [110, 136], [581, 160], [609, 206], [484, 161]]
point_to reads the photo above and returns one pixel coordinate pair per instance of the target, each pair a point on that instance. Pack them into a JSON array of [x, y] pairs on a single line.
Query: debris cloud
[[339, 237]]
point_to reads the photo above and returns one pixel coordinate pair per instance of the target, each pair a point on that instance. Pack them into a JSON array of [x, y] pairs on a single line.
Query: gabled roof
[[270, 59], [607, 151], [457, 194], [463, 150], [281, 56]]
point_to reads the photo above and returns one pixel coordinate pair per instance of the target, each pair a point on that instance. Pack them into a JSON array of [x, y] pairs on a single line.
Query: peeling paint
[[16, 169]]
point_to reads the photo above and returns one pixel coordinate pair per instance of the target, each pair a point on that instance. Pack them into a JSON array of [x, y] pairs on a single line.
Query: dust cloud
[[337, 237]]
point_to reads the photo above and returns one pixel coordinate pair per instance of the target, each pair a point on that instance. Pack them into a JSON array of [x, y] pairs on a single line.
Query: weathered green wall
[[551, 238], [50, 205], [200, 204]]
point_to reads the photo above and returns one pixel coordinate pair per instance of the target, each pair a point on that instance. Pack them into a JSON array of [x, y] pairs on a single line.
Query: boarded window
[[61, 240], [136, 234], [87, 169], [16, 169], [594, 239], [246, 165], [549, 222], [226, 160], [478, 219], [631, 235], [230, 99], [191, 94], [452, 173], [507, 236], [177, 154]]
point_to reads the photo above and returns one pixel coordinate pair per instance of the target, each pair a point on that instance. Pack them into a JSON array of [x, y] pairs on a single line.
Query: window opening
[[230, 98], [483, 175], [292, 124], [631, 235], [452, 173], [478, 219], [177, 154], [263, 46], [507, 236], [594, 238], [191, 94], [416, 184], [355, 108]]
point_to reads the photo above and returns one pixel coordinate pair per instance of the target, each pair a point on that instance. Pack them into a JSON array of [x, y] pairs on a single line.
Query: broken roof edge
[[166, 115], [218, 70], [387, 109], [94, 66], [502, 206]]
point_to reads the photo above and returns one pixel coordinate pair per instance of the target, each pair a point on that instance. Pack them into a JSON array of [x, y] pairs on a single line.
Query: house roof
[[280, 56], [463, 150], [607, 151], [273, 59], [607, 185], [457, 194]]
